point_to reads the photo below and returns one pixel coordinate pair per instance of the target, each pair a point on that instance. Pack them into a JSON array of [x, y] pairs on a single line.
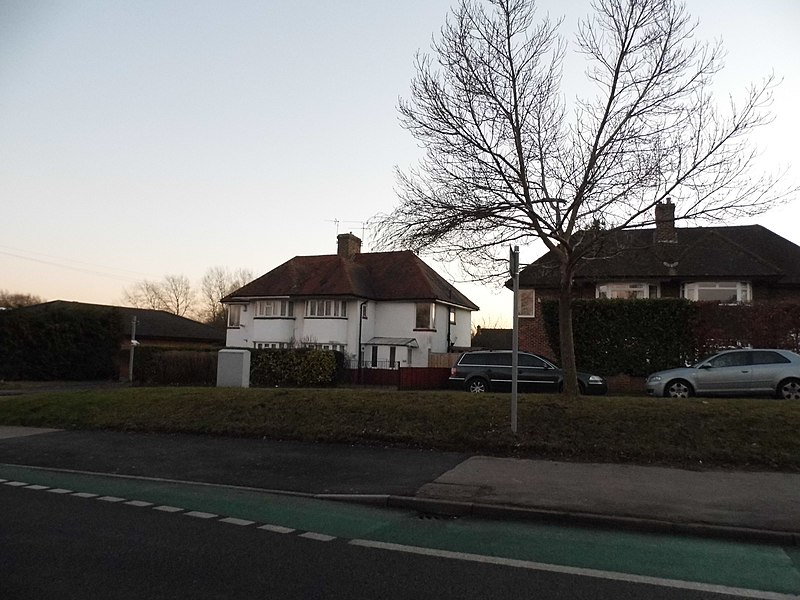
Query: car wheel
[[477, 385], [789, 389], [678, 388]]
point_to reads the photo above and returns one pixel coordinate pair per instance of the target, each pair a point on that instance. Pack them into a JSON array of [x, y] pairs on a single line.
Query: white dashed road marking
[[38, 487], [59, 491], [85, 495], [140, 503], [277, 529], [235, 521], [111, 499], [320, 537], [201, 515], [16, 483], [168, 509]]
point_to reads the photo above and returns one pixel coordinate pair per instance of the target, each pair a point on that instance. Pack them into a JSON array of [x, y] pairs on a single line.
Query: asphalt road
[[266, 464], [59, 545]]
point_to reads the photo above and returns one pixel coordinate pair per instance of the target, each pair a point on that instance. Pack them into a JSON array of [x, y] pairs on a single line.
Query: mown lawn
[[728, 433]]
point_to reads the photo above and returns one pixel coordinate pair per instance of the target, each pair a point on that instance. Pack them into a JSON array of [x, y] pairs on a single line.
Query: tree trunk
[[565, 333]]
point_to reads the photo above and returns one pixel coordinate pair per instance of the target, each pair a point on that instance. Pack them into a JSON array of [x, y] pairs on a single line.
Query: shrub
[[154, 365], [295, 367]]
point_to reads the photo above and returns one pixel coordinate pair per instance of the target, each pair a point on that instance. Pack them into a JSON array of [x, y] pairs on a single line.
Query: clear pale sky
[[139, 139]]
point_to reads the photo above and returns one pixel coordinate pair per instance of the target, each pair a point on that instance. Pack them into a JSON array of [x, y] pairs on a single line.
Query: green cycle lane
[[740, 565]]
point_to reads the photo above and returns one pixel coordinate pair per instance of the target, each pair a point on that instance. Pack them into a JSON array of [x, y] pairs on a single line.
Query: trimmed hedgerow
[[154, 365], [295, 367], [58, 344], [635, 337]]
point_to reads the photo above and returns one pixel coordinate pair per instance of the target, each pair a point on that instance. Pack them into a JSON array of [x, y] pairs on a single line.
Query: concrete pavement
[[763, 506]]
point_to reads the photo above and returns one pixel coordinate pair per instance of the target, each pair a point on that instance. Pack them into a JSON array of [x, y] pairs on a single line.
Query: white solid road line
[[535, 566]]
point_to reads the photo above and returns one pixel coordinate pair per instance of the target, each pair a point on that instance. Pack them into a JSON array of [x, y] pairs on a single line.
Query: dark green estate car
[[490, 370]]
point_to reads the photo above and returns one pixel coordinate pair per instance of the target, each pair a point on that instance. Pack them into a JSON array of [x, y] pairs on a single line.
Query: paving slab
[[757, 500], [8, 431]]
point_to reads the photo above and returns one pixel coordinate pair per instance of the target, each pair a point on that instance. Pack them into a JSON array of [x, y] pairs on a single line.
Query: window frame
[[522, 304], [234, 316], [274, 309], [430, 323], [602, 290], [744, 291], [326, 308]]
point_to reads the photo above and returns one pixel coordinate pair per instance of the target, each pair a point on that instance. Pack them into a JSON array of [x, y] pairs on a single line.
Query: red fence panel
[[423, 378]]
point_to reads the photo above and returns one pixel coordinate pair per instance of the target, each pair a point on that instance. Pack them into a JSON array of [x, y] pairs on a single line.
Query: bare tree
[[15, 300], [217, 283], [173, 294], [509, 161], [145, 294]]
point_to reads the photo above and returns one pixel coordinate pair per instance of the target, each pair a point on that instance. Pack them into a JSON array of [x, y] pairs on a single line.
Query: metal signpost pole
[[134, 343], [514, 268]]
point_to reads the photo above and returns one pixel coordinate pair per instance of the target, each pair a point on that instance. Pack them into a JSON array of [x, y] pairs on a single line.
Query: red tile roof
[[372, 275]]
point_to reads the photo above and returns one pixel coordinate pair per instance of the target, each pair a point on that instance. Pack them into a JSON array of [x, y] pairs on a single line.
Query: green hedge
[[296, 367], [57, 344], [635, 337], [155, 365]]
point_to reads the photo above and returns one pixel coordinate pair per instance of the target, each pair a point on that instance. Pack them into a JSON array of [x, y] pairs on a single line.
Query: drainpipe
[[360, 323]]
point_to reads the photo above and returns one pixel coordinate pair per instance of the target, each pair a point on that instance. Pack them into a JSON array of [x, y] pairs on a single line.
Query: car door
[[769, 368], [535, 375], [729, 372]]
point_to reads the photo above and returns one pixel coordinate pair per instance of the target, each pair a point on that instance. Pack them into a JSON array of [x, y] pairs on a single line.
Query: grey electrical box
[[233, 368]]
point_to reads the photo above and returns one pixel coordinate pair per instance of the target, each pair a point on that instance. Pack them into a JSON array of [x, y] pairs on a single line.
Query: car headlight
[[595, 379], [654, 379]]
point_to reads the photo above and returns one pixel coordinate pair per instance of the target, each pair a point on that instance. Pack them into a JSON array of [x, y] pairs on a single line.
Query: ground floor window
[[263, 345], [325, 346], [725, 292]]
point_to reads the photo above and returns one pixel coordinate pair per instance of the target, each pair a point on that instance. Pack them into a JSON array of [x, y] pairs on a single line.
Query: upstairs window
[[234, 315], [724, 292], [274, 308], [628, 290], [425, 315], [527, 306], [326, 308]]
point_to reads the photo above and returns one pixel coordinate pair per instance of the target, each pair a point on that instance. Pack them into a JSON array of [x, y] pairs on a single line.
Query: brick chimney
[[665, 222], [348, 245]]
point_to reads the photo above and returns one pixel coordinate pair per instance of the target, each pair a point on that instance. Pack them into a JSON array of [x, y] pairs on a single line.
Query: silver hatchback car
[[733, 372]]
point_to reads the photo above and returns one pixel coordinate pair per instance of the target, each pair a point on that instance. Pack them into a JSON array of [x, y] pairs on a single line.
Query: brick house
[[746, 263]]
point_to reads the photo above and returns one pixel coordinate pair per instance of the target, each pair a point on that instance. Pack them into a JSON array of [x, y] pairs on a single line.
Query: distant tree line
[[175, 294]]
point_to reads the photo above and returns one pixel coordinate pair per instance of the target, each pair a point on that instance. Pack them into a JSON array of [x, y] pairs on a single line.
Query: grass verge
[[727, 433]]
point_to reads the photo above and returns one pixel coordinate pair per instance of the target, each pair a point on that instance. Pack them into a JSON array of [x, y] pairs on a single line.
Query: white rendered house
[[390, 305]]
